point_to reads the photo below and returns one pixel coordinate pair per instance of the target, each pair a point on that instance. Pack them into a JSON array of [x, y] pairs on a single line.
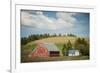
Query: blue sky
[[40, 22]]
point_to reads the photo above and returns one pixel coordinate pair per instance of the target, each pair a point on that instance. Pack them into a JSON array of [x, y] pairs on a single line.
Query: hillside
[[56, 40]]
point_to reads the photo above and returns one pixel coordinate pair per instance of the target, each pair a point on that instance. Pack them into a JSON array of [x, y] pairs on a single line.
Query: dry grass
[[56, 40]]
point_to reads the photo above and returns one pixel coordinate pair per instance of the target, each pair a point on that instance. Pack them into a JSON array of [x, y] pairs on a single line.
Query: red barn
[[45, 50]]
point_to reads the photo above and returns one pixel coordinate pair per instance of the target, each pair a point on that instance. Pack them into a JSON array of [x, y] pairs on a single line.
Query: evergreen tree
[[69, 46], [82, 46], [64, 50]]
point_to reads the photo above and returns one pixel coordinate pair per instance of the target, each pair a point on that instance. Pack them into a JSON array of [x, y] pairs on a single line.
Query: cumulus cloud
[[37, 19]]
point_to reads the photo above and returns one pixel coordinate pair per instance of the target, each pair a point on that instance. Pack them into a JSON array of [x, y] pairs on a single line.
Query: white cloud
[[66, 19], [38, 20]]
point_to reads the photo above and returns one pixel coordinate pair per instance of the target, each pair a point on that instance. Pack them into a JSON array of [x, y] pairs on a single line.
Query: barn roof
[[51, 47]]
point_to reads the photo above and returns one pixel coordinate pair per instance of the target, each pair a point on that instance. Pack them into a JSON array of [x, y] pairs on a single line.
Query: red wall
[[39, 52]]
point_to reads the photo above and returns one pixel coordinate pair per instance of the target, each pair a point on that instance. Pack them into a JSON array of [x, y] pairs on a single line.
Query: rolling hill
[[57, 40]]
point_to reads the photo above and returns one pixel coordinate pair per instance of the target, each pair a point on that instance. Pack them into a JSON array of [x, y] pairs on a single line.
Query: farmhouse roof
[[51, 47], [72, 51]]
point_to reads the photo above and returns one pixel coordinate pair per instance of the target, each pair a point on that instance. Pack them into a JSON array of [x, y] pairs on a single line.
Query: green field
[[46, 59]]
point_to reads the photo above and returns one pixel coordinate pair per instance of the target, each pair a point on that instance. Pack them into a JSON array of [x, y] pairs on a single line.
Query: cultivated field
[[56, 40]]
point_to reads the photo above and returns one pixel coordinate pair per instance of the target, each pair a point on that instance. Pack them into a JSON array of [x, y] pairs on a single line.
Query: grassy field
[[46, 59], [58, 41]]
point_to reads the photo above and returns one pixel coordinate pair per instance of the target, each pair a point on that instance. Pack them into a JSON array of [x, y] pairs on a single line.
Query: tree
[[82, 46], [24, 41], [64, 50], [72, 35], [59, 34], [69, 46]]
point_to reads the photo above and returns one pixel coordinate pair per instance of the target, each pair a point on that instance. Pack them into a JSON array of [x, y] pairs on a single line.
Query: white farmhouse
[[73, 52]]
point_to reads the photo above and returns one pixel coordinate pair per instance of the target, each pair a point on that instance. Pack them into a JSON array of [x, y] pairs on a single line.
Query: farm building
[[45, 50], [73, 52]]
